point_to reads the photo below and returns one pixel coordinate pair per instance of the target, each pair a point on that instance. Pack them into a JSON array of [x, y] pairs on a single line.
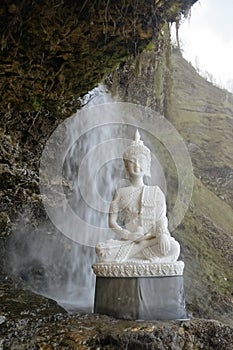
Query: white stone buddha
[[138, 215]]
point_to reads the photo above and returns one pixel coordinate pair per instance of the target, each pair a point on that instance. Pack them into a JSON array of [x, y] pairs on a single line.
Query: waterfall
[[81, 167], [79, 293], [94, 167]]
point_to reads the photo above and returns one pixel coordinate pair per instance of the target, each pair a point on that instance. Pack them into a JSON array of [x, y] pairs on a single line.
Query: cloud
[[208, 38]]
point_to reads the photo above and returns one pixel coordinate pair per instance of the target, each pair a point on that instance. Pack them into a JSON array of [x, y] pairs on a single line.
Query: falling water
[[92, 170], [80, 285], [43, 258], [90, 199]]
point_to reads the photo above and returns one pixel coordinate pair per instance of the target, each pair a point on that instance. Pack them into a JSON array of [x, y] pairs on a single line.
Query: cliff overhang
[[55, 51]]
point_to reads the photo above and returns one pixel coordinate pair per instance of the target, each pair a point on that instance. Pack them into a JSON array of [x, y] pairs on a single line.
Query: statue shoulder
[[116, 200], [121, 192], [116, 194], [154, 191], [154, 188]]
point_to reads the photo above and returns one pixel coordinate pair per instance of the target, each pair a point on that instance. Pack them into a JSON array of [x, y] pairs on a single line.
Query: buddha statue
[[138, 215]]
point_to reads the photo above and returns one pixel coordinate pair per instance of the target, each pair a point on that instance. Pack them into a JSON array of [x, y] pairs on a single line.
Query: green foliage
[[36, 103], [150, 46]]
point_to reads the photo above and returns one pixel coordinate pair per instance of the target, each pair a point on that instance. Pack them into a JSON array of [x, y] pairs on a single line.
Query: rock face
[[54, 51], [144, 79], [22, 310], [102, 332]]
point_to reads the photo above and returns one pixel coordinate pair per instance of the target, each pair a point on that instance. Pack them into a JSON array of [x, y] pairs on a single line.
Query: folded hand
[[135, 236]]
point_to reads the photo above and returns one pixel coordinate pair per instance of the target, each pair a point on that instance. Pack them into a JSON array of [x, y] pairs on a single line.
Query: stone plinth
[[148, 292], [138, 269]]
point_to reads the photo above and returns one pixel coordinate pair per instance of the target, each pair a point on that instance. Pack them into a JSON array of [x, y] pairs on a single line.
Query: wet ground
[[31, 321]]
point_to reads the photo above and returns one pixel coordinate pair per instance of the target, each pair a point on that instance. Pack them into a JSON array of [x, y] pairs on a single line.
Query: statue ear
[[148, 172]]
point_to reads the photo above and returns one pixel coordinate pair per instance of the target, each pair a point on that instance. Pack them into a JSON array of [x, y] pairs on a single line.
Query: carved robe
[[150, 215]]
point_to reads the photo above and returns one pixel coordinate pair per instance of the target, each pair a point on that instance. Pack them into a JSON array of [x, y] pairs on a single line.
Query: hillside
[[203, 114]]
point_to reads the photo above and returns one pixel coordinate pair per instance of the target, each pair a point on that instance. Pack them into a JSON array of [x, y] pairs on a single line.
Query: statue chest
[[137, 209], [130, 206]]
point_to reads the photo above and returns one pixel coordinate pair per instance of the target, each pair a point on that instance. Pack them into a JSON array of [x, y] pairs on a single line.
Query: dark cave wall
[[52, 52]]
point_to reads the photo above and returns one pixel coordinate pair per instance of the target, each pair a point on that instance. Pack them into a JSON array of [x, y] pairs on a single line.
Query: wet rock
[[82, 331], [16, 303], [21, 313]]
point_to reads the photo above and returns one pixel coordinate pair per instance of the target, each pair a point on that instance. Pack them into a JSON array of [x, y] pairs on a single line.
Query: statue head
[[138, 152]]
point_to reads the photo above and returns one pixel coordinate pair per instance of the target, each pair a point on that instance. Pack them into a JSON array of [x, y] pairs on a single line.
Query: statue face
[[136, 165]]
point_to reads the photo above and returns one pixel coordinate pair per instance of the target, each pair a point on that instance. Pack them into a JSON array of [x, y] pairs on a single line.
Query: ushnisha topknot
[[137, 148]]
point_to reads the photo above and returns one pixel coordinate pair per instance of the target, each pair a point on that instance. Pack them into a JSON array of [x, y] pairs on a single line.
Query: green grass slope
[[203, 114]]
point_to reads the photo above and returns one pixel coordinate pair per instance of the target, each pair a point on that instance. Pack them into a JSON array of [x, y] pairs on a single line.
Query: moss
[[213, 207], [58, 51], [150, 47], [206, 231], [163, 63], [36, 103], [207, 251]]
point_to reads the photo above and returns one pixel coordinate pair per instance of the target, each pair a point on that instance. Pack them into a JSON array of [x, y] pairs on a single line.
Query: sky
[[207, 39]]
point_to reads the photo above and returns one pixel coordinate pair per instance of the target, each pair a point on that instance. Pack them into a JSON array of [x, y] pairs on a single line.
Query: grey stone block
[[141, 298]]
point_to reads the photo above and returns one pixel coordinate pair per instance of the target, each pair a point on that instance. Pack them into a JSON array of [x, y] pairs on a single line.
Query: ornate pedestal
[[140, 291]]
